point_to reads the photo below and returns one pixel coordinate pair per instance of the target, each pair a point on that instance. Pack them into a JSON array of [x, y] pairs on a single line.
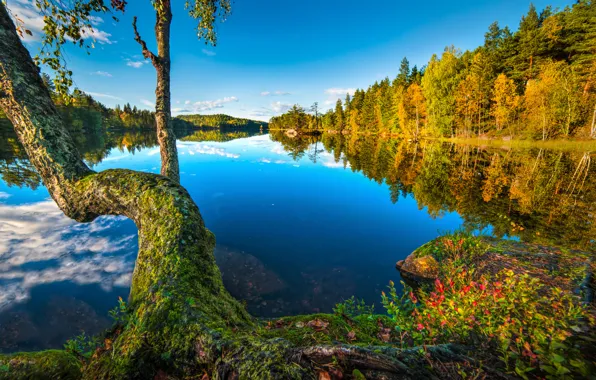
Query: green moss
[[307, 330], [52, 364]]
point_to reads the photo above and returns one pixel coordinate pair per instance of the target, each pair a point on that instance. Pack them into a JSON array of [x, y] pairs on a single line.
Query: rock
[[418, 269]]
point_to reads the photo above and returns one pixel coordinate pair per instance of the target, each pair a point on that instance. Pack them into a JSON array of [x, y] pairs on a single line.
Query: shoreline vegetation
[[569, 144], [537, 83]]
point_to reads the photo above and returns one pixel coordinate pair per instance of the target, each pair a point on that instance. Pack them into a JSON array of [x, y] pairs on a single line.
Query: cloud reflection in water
[[40, 245]]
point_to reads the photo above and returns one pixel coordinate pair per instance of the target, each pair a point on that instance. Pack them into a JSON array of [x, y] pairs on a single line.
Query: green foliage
[[207, 12], [459, 247], [219, 121], [297, 118], [353, 307], [120, 313], [82, 345], [531, 325]]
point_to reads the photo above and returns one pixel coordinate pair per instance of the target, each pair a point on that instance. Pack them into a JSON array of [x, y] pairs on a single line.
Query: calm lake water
[[301, 224]]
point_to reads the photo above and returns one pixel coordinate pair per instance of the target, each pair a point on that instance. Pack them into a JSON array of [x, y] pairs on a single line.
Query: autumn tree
[[552, 100], [505, 102], [439, 83], [417, 101], [467, 99], [411, 110]]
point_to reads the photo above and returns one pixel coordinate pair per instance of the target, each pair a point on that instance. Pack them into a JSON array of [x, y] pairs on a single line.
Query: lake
[[301, 223]]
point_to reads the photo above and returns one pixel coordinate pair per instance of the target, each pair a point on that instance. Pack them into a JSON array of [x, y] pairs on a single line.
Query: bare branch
[[146, 52]]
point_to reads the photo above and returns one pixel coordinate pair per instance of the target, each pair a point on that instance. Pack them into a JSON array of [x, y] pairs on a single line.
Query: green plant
[[460, 247], [353, 307], [119, 313], [82, 345], [529, 325]]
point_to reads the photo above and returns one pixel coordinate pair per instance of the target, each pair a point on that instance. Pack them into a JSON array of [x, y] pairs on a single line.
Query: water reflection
[[535, 195], [301, 223]]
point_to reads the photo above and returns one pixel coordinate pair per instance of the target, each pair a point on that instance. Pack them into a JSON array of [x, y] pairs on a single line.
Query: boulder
[[418, 269]]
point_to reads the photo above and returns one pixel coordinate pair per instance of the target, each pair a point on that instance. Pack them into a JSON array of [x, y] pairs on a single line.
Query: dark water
[[300, 223]]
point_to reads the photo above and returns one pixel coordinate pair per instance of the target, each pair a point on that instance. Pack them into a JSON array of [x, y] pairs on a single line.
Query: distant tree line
[[538, 83], [83, 114], [221, 121]]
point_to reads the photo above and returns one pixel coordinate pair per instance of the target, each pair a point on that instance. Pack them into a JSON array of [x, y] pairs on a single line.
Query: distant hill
[[219, 121]]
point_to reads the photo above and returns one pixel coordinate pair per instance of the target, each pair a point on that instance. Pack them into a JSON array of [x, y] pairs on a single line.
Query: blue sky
[[275, 53]]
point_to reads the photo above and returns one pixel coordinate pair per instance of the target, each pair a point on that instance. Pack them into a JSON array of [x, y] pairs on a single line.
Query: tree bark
[[163, 113], [180, 321]]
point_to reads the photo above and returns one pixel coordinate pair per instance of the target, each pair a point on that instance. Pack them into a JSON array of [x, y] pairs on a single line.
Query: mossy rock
[[418, 270]]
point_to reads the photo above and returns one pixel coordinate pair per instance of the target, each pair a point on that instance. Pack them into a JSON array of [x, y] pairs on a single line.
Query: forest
[[221, 121], [537, 83]]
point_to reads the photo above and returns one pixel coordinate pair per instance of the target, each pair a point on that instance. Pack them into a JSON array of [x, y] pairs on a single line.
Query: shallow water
[[300, 224]]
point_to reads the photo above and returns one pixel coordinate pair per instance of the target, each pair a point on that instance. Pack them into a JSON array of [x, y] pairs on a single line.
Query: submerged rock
[[418, 269]]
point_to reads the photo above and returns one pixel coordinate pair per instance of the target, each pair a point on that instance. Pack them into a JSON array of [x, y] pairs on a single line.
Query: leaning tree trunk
[[163, 112], [180, 321]]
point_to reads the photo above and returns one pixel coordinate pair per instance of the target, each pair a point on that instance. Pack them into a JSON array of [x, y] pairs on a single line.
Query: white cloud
[[96, 20], [136, 64], [148, 103], [276, 93], [208, 52], [279, 149], [206, 105], [340, 91], [179, 110], [337, 93], [97, 35], [262, 112], [100, 95], [102, 74], [194, 148], [280, 107], [4, 195]]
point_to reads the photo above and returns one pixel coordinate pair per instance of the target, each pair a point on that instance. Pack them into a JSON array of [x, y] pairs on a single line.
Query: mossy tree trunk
[[180, 321]]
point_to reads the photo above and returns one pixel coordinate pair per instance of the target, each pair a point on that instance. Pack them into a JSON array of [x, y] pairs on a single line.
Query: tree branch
[[146, 52]]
